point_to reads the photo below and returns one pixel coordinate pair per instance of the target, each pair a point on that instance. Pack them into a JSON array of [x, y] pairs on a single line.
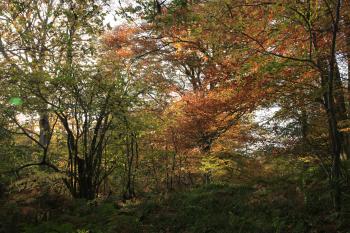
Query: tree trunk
[[331, 114], [129, 189]]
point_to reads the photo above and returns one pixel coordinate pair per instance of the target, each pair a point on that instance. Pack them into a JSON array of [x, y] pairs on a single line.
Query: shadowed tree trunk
[[131, 165]]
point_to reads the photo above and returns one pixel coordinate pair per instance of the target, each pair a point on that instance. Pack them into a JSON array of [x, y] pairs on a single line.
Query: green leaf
[[16, 101]]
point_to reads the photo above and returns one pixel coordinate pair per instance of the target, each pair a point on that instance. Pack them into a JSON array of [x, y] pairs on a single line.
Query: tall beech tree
[[43, 45], [260, 48]]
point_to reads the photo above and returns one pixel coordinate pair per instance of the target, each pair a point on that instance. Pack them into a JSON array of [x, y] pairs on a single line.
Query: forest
[[169, 116]]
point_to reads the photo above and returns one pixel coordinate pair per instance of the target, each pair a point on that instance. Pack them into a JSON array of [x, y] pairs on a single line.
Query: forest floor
[[275, 204], [212, 208]]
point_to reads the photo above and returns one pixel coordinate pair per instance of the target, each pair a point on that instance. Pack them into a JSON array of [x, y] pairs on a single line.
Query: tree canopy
[[236, 96]]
